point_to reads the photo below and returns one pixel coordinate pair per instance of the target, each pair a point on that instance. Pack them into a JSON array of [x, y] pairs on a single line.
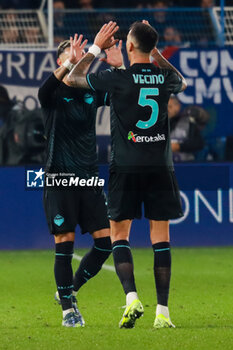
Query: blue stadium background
[[207, 187]]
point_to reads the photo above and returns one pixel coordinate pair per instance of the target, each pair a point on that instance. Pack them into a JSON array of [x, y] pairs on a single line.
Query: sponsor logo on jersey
[[68, 99], [58, 220], [132, 136], [147, 139]]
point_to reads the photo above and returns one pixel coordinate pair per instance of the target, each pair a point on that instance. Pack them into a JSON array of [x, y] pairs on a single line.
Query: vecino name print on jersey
[[148, 79]]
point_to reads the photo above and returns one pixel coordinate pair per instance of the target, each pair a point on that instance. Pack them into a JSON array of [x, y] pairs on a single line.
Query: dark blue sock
[[123, 261], [162, 271], [92, 262], [63, 272]]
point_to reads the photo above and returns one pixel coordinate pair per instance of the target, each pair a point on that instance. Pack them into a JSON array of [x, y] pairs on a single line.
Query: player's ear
[[59, 61], [131, 46]]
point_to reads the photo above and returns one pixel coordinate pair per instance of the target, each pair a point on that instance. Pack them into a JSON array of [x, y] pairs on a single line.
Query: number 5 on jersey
[[145, 101]]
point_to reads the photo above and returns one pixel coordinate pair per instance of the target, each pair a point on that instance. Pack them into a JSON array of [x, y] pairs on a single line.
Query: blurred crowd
[[22, 141], [12, 31], [173, 30], [21, 130], [181, 30], [190, 136], [92, 4]]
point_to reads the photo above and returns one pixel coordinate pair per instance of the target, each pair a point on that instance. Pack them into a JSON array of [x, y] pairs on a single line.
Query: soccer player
[[70, 116], [141, 169]]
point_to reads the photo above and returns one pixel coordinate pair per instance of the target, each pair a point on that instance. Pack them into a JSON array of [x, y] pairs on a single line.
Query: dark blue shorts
[[67, 208], [158, 191]]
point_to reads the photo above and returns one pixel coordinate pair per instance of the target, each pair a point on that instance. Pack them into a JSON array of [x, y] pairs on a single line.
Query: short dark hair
[[145, 35], [62, 46]]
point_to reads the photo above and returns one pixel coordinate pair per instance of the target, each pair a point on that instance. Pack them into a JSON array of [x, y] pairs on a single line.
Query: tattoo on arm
[[60, 73], [77, 77], [163, 63]]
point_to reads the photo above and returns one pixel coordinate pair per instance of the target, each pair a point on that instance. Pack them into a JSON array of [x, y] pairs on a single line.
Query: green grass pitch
[[201, 304]]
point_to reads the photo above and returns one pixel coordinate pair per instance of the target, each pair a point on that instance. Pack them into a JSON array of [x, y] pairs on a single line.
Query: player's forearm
[[61, 72], [163, 63], [77, 76]]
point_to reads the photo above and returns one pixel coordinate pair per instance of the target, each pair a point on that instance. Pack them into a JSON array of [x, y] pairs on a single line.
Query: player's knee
[[118, 236], [157, 237], [120, 230], [64, 237], [159, 231], [102, 249], [101, 233]]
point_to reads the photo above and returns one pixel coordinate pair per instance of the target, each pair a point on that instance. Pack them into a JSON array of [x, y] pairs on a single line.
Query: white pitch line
[[106, 267]]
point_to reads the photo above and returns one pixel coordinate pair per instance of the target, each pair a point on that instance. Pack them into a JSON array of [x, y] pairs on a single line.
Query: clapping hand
[[76, 48], [105, 37], [114, 55]]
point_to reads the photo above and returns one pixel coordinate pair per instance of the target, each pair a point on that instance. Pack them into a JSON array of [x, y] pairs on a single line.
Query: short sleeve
[[174, 82], [47, 90], [102, 81]]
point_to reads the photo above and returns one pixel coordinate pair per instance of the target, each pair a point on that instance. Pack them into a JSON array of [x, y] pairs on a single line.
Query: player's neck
[[140, 59]]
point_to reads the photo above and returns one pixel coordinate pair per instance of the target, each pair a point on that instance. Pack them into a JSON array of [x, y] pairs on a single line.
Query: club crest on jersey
[[147, 139], [88, 99], [58, 220]]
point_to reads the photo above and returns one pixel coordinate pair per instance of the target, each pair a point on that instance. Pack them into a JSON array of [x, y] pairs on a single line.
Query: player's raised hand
[[76, 48], [114, 55], [104, 38]]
